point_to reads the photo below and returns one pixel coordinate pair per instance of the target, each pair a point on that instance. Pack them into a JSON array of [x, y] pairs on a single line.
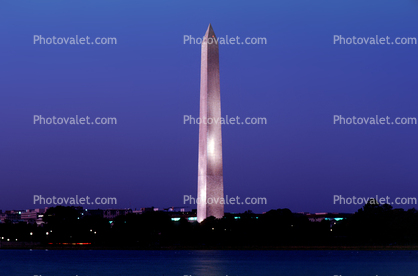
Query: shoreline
[[34, 246]]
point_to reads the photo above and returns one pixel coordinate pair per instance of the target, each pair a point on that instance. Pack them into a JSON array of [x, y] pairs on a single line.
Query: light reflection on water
[[207, 263]]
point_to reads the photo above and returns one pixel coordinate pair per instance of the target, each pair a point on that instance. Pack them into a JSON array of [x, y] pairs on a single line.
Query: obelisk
[[210, 175]]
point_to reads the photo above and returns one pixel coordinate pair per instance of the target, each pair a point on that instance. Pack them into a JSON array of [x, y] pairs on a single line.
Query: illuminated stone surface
[[210, 176]]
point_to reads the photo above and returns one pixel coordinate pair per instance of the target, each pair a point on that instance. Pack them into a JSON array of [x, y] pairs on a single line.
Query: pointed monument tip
[[209, 31]]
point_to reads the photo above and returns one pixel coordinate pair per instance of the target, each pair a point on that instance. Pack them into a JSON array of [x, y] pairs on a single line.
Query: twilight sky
[[150, 79]]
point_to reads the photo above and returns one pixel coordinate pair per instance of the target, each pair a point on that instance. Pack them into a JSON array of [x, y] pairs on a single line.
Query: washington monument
[[210, 176]]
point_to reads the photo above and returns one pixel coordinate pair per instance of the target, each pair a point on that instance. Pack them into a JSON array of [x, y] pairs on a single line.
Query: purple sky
[[150, 80]]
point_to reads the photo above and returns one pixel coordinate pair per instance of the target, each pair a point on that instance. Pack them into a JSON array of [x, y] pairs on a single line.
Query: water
[[207, 263]]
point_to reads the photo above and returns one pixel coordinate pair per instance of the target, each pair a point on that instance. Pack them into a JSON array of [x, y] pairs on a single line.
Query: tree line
[[371, 225]]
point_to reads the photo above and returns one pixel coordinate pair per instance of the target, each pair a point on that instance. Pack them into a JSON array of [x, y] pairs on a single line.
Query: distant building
[[176, 209], [113, 213], [178, 213], [145, 210], [331, 217], [29, 216], [11, 215], [92, 212], [33, 216]]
